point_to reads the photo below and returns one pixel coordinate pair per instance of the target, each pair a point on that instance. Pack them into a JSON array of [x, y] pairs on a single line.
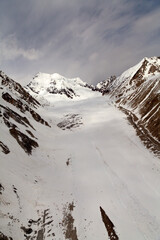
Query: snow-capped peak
[[145, 68], [51, 83], [45, 80], [44, 84]]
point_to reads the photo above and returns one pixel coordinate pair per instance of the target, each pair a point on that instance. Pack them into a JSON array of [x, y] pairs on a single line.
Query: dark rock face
[[1, 188], [27, 230], [17, 98], [23, 108], [4, 148], [109, 225], [69, 230], [68, 92], [3, 237], [145, 98], [142, 132], [37, 229], [93, 88], [70, 121], [8, 113], [23, 140], [106, 86], [38, 118], [138, 78], [12, 85]]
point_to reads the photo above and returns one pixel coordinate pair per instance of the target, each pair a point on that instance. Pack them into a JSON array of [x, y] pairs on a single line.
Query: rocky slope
[[17, 110], [137, 93]]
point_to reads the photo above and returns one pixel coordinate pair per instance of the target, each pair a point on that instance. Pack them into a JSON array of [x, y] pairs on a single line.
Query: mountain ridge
[[73, 167], [17, 108], [137, 91], [48, 84]]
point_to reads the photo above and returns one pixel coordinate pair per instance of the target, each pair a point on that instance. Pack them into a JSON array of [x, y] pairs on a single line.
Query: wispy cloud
[[91, 39], [9, 50]]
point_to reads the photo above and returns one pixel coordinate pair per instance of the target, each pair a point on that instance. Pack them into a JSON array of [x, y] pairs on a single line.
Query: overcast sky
[[91, 39]]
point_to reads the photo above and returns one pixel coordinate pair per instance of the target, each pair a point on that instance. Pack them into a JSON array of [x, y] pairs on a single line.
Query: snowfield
[[89, 158]]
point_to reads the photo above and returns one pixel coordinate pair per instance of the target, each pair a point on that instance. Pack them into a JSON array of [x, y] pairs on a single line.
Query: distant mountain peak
[[45, 84], [147, 67], [54, 76]]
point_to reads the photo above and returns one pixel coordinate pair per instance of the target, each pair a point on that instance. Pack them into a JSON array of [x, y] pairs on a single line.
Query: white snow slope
[[92, 158]]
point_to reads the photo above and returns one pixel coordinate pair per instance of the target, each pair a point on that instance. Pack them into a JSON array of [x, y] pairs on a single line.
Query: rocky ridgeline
[[14, 96], [137, 93]]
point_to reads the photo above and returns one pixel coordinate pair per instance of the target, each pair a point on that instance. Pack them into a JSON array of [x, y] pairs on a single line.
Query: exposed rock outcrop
[[137, 90], [15, 103], [4, 148]]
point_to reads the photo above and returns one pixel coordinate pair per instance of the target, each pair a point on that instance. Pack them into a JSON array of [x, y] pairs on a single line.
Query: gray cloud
[[10, 50], [90, 39]]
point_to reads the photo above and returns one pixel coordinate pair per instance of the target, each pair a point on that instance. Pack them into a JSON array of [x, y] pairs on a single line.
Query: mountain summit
[[46, 85], [145, 69]]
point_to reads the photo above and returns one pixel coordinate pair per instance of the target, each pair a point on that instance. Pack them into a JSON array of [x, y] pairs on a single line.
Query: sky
[[91, 39]]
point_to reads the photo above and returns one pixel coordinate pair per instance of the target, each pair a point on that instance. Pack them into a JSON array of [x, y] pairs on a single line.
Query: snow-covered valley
[[79, 161], [89, 158]]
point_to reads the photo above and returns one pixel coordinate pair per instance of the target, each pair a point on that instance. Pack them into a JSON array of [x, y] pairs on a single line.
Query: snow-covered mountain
[[17, 107], [134, 76], [44, 86], [106, 86], [71, 165], [137, 93]]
